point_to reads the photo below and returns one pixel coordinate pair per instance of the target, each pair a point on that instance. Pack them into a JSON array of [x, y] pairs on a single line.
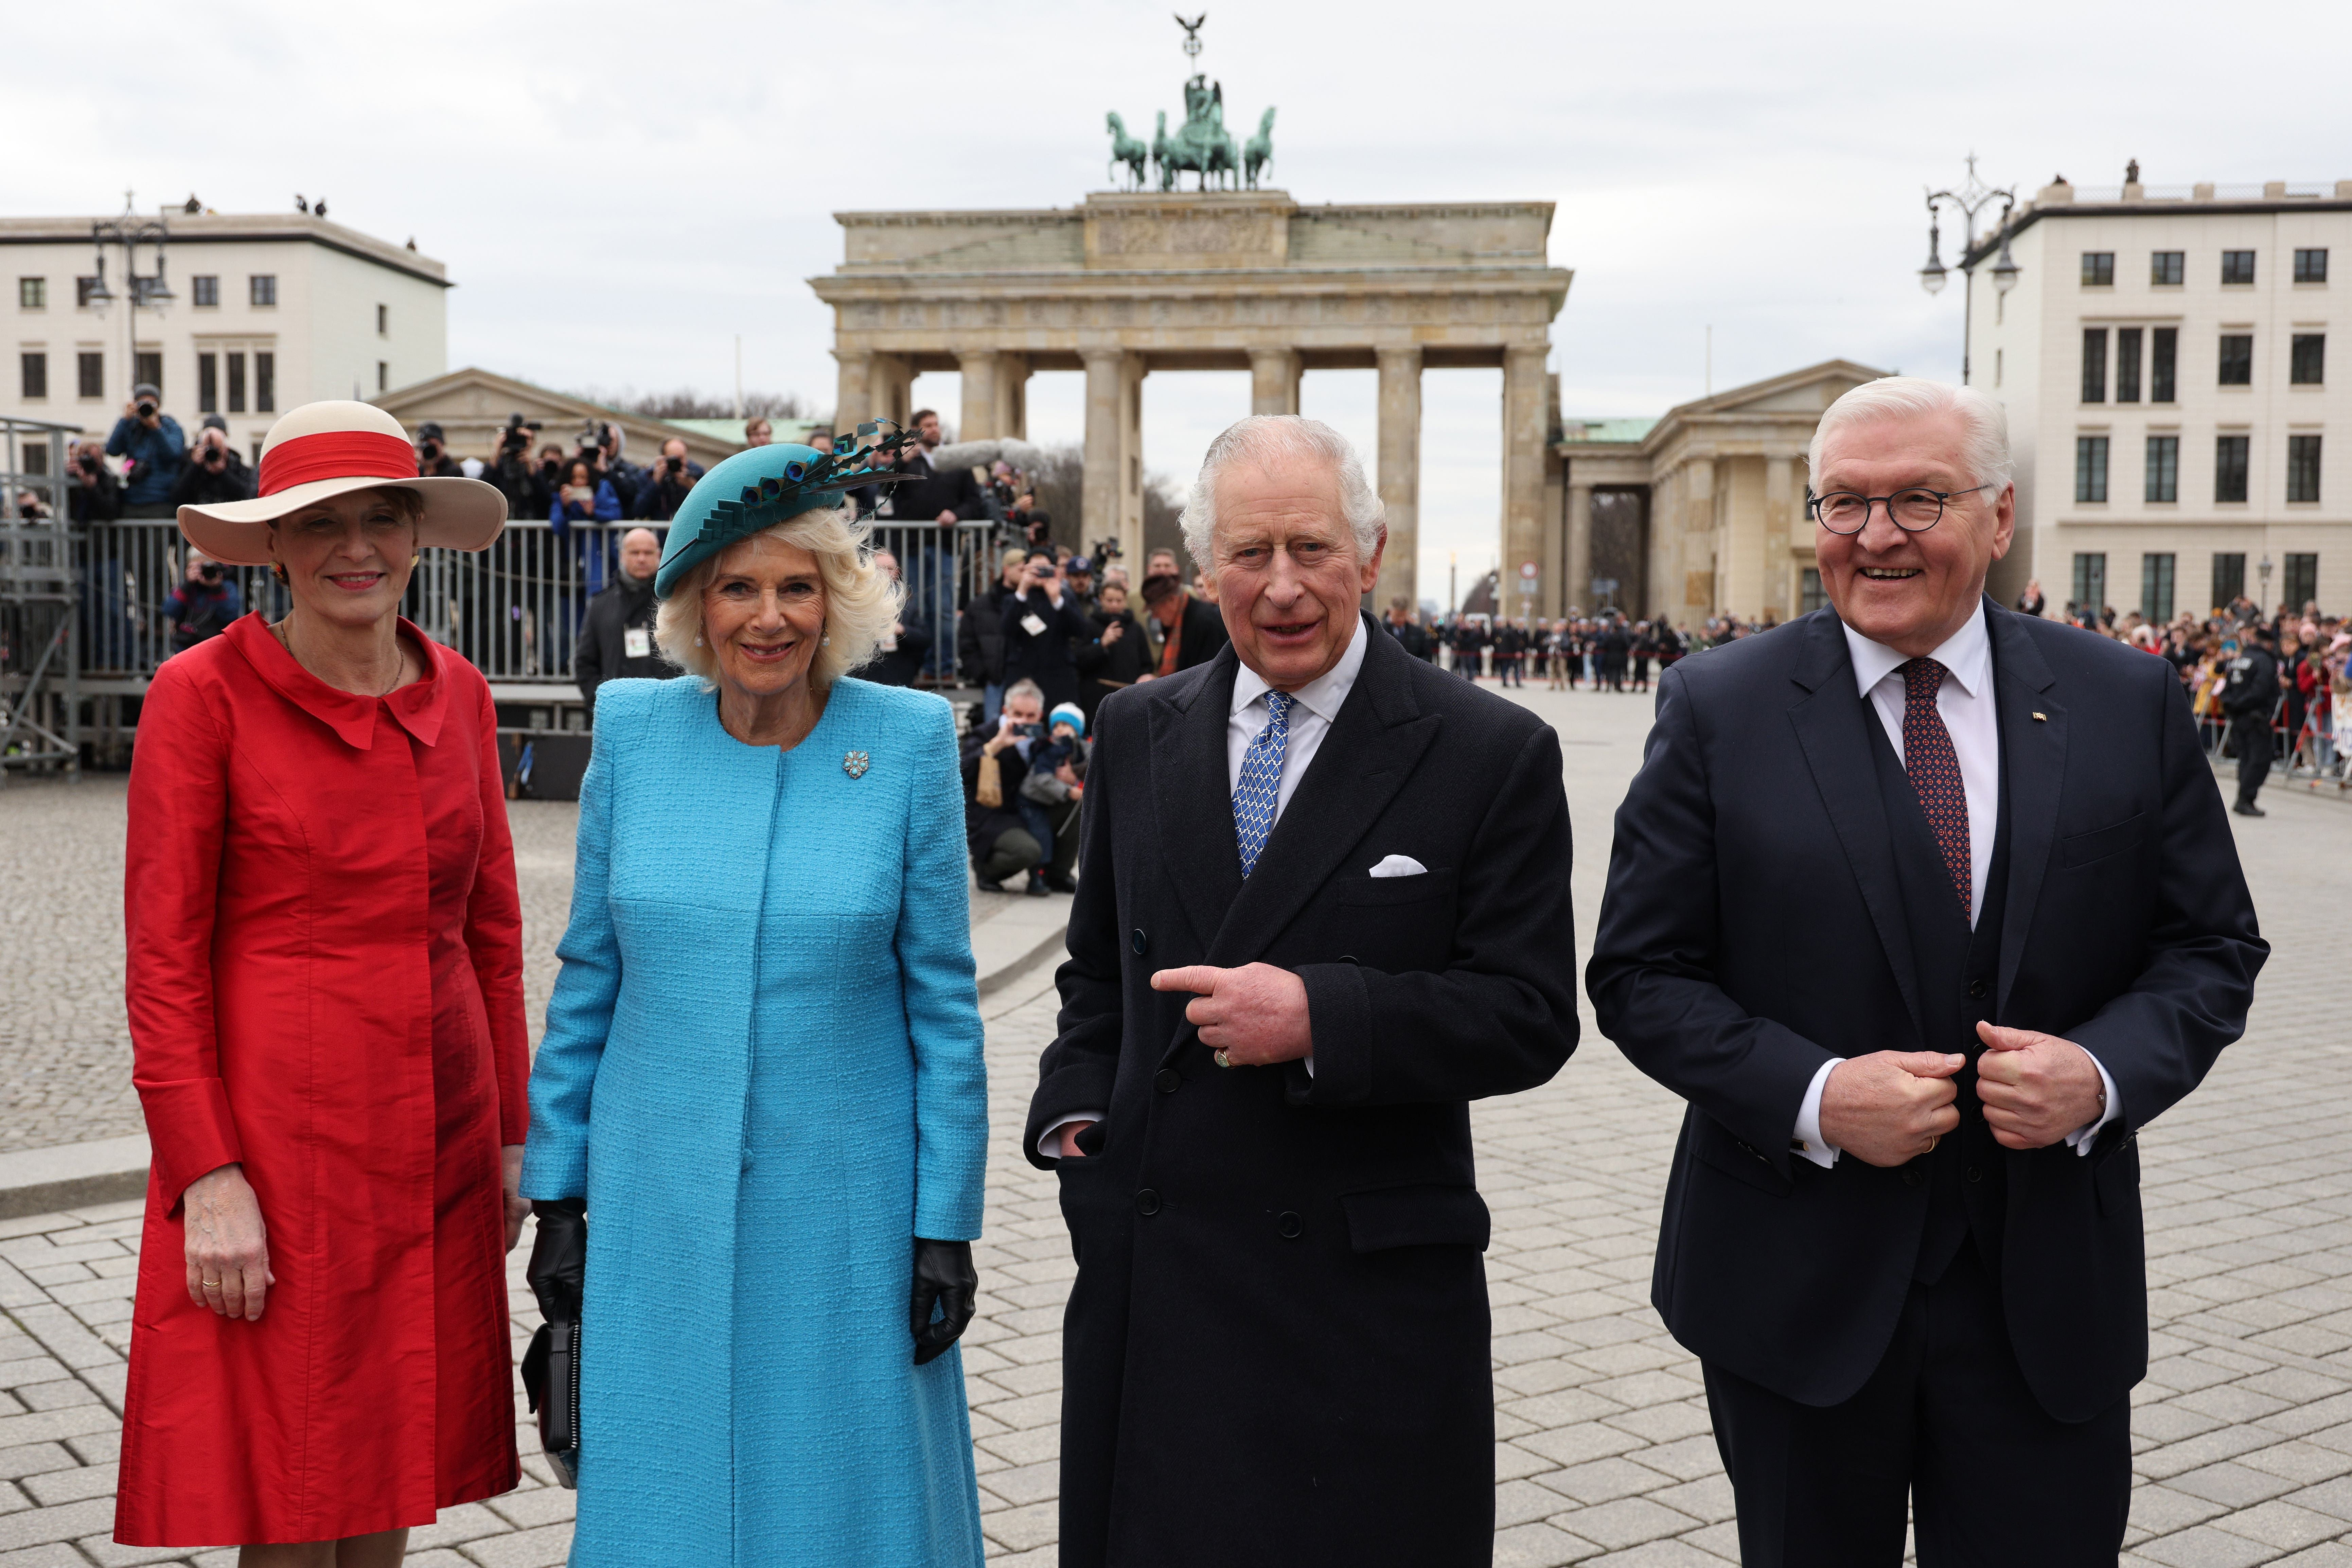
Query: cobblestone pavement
[[2243, 1430]]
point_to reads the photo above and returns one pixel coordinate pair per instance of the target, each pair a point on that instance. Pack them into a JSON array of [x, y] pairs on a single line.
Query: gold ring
[[1219, 1057], [1933, 1139], [212, 1284]]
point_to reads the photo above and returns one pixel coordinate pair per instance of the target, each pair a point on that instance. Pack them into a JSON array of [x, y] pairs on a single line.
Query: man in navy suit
[[1925, 908]]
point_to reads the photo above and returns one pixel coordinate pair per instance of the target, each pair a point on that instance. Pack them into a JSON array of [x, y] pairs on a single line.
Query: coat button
[[1913, 1176], [1975, 1174], [1137, 940], [1167, 1081], [1978, 988], [1290, 1224], [1147, 1202], [1351, 958]]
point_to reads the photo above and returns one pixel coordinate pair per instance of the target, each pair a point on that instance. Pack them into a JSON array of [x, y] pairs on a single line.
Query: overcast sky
[[616, 200]]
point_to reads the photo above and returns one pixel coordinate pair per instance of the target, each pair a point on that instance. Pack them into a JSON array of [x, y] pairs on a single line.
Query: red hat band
[[336, 455]]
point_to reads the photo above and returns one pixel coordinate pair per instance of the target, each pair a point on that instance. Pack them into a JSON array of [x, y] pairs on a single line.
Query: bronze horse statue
[[1258, 155], [1128, 149]]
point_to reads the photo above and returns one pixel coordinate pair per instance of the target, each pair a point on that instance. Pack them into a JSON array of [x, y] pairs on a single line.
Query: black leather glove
[[558, 1258], [944, 1277]]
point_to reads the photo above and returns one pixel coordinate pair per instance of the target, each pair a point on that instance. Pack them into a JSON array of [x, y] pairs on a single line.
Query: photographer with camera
[[433, 458], [151, 440], [205, 603], [665, 490], [96, 494], [510, 471], [1043, 626], [214, 473]]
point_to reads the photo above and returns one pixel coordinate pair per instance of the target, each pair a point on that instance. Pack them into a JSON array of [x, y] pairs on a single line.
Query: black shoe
[[1037, 887], [1060, 884], [2248, 808]]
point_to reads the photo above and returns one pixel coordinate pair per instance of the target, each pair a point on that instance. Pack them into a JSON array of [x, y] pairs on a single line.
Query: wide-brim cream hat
[[324, 449]]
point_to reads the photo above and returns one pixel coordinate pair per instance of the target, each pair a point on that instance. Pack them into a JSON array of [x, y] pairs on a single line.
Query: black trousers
[[1946, 1423], [2251, 738]]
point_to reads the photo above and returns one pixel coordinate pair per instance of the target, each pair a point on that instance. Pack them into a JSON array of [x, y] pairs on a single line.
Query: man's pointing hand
[[1257, 1015]]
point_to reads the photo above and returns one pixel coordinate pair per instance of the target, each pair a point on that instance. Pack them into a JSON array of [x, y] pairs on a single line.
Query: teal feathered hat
[[761, 486]]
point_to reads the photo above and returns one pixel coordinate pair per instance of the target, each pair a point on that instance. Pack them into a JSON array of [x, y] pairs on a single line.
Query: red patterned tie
[[1934, 770]]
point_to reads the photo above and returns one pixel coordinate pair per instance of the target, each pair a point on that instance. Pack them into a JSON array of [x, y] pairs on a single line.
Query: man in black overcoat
[[1926, 908], [1324, 906], [1043, 625]]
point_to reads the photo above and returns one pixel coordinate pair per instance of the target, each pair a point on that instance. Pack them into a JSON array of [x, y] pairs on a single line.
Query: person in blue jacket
[[761, 1079], [150, 439]]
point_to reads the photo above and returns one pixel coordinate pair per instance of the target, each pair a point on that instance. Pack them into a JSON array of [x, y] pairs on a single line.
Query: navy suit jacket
[[1753, 928]]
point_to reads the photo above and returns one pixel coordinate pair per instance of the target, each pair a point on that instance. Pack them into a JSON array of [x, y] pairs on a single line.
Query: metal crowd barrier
[[515, 609]]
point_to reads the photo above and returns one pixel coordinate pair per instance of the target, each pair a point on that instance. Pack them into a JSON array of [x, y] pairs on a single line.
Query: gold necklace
[[399, 665]]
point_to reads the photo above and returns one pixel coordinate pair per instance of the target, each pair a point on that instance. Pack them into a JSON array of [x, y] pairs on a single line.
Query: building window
[[262, 287], [147, 366], [90, 375], [2229, 467], [208, 383], [31, 293], [2302, 586], [206, 289], [2237, 267], [2090, 582], [2165, 269], [2228, 577], [2237, 359], [2163, 363], [82, 288], [383, 375], [1810, 597], [383, 320], [1995, 367], [2307, 361], [264, 385], [2164, 467], [236, 382], [2127, 364], [35, 457], [2098, 268], [32, 377], [2090, 467], [2303, 468], [2155, 587], [2311, 265], [2094, 365]]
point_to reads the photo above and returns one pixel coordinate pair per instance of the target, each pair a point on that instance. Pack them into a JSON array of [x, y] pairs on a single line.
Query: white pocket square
[[1399, 865]]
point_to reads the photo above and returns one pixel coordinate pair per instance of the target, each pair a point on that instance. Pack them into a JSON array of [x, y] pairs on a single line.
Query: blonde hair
[[860, 604]]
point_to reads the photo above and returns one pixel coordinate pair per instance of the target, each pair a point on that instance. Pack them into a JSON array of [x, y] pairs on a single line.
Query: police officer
[[2249, 696]]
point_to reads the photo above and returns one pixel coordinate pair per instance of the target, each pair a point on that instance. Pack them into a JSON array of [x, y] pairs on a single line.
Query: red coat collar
[[416, 707]]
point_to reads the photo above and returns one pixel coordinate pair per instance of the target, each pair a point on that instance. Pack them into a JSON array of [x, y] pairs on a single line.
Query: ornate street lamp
[[1971, 198], [149, 290]]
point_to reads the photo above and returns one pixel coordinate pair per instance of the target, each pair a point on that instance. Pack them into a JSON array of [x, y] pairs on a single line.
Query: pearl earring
[[698, 642]]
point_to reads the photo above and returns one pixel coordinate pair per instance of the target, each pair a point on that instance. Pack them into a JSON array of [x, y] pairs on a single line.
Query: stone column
[[888, 385], [1576, 571], [1779, 571], [1523, 466], [983, 383], [1698, 540], [1099, 491], [1273, 380], [1130, 459], [853, 395], [1013, 396], [1399, 476]]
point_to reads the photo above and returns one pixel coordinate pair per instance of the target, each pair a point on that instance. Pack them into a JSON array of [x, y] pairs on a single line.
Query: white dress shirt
[[1964, 702], [1312, 708]]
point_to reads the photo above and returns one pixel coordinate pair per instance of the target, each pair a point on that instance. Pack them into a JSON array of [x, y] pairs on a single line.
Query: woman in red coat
[[325, 992]]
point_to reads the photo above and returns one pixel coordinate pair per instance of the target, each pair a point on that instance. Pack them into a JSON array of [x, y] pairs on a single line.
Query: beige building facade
[[472, 407], [269, 312], [1701, 512], [2177, 368], [1126, 286]]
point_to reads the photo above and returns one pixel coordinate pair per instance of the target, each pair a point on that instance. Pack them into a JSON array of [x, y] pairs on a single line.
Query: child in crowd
[[1063, 746]]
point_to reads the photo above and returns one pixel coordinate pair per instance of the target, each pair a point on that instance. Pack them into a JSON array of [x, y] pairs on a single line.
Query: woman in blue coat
[[762, 1071]]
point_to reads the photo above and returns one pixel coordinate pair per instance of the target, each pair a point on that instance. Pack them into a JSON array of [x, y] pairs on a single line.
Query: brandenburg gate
[[1127, 284]]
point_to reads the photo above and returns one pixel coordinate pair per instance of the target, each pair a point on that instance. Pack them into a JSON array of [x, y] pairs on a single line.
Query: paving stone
[[2203, 1546]]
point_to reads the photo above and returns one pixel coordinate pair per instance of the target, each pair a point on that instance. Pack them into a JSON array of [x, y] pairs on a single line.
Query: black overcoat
[[1753, 928], [1276, 1348]]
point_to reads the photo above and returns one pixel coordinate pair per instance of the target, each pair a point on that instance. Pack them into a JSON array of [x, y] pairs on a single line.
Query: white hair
[[1269, 440], [1984, 446]]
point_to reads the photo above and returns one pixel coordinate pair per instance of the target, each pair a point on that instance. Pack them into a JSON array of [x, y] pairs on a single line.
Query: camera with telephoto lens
[[146, 408], [594, 435], [517, 440], [208, 571]]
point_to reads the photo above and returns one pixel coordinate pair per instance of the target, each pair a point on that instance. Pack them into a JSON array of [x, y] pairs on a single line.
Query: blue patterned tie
[[1261, 785]]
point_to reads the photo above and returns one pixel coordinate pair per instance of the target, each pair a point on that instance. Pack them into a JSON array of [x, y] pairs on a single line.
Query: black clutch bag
[[550, 1366]]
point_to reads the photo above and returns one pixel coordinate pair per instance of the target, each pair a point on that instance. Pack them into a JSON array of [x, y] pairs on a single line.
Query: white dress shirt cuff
[[1807, 1142], [1050, 1147], [2082, 1138], [1311, 1064]]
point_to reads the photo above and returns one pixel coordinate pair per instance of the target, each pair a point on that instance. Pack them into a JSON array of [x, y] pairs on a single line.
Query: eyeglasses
[[1912, 510]]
